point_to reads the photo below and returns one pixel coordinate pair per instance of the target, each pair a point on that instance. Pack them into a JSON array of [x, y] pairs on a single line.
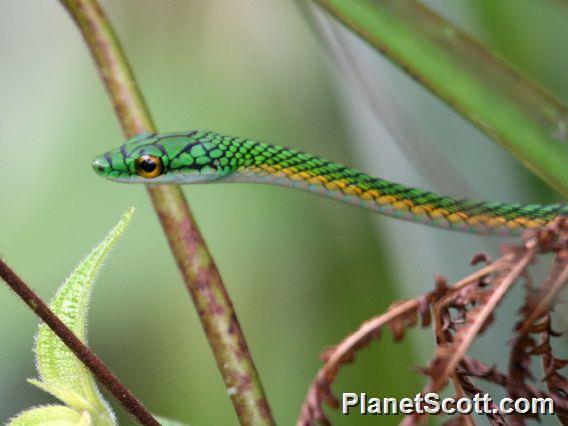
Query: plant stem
[[510, 108], [81, 351], [197, 267]]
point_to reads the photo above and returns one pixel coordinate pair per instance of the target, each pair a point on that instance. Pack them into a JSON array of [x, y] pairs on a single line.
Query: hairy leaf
[[61, 373]]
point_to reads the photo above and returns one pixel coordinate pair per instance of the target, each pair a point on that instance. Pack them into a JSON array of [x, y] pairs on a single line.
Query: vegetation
[[509, 107]]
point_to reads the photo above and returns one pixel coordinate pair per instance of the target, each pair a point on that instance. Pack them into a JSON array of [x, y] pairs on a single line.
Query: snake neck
[[294, 169]]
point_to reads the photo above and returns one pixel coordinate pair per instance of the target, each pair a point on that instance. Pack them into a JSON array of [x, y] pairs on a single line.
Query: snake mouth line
[[170, 178]]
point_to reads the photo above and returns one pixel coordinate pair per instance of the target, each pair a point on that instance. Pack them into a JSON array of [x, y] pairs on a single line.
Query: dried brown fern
[[398, 317], [462, 312]]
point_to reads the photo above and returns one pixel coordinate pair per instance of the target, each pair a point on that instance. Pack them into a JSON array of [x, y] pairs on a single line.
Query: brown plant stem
[[81, 351], [197, 267]]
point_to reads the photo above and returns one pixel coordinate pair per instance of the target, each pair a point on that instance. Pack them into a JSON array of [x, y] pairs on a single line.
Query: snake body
[[203, 156]]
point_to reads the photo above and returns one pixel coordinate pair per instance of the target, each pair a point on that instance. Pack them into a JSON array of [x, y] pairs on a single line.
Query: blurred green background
[[303, 271]]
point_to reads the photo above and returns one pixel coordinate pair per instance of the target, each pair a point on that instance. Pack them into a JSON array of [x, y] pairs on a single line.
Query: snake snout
[[100, 166]]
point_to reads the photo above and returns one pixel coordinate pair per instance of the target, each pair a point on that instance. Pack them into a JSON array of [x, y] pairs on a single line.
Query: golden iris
[[149, 166]]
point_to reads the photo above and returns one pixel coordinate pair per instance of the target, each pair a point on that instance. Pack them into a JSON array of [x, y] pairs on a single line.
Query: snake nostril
[[98, 165]]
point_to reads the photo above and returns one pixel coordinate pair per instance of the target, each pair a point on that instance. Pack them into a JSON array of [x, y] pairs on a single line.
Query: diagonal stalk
[[197, 267]]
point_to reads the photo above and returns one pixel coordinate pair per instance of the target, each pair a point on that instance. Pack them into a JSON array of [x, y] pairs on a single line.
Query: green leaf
[[61, 373], [501, 101], [70, 398], [51, 415]]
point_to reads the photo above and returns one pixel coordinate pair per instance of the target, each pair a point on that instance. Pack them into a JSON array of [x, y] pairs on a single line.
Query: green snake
[[203, 156]]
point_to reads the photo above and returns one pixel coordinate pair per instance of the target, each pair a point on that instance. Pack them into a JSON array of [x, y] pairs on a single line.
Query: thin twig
[[319, 390], [81, 351], [466, 418], [193, 258]]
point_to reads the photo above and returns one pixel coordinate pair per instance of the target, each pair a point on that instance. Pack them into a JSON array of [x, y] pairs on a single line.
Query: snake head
[[190, 157]]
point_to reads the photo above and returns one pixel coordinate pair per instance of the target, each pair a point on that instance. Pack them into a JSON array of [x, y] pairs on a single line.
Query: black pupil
[[147, 165]]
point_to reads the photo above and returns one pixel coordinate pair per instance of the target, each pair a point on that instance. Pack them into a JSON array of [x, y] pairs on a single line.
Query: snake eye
[[149, 166]]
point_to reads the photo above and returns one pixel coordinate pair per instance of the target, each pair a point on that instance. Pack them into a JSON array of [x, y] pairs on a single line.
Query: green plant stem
[[507, 106], [198, 269], [75, 345]]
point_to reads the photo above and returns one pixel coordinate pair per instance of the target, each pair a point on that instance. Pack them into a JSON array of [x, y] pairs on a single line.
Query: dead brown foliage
[[461, 312]]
